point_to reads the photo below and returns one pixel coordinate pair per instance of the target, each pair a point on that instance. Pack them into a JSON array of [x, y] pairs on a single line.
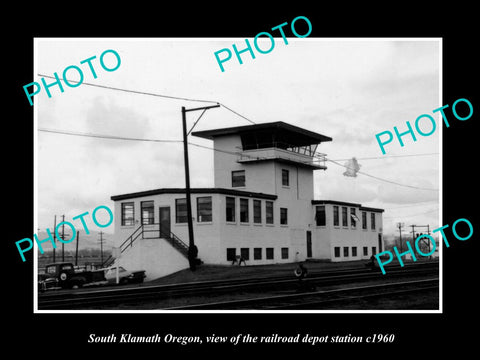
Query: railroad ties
[[279, 292]]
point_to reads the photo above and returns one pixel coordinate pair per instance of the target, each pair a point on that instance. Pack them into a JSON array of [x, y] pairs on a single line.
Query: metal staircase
[[150, 231]]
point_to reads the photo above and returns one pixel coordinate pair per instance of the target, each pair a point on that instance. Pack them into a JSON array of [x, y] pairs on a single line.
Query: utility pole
[[63, 238], [400, 225], [54, 236], [426, 243], [413, 232], [192, 250], [76, 248], [101, 246]]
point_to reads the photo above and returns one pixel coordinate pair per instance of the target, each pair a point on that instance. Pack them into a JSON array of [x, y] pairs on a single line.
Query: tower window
[[285, 177], [238, 178], [283, 216]]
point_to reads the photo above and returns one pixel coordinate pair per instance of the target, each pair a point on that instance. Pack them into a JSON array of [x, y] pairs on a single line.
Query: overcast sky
[[349, 90]]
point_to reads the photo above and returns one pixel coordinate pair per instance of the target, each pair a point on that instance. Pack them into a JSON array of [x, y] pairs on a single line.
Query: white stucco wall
[[329, 236], [157, 257], [206, 234]]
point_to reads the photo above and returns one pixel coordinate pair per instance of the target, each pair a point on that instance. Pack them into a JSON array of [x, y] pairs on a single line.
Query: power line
[[63, 132], [154, 94], [406, 216], [223, 151], [134, 91], [389, 156], [384, 180], [250, 121], [112, 137], [423, 203]]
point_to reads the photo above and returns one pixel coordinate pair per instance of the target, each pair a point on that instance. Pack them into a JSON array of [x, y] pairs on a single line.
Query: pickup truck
[[64, 275]]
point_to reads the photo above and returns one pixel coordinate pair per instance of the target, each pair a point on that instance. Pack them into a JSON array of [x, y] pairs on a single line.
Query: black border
[[416, 334]]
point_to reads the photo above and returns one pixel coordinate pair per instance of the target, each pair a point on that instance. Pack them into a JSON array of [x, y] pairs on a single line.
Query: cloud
[[110, 118]]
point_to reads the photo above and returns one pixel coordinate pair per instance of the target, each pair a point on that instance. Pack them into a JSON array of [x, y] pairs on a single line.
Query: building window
[[257, 211], [365, 251], [335, 216], [181, 215], [128, 214], [354, 251], [230, 208], [374, 250], [372, 220], [364, 220], [204, 209], [345, 251], [231, 254], [269, 212], [284, 253], [344, 216], [285, 177], [257, 253], [244, 210], [238, 178], [147, 212], [245, 253], [269, 252], [283, 216], [337, 251], [320, 217], [353, 218]]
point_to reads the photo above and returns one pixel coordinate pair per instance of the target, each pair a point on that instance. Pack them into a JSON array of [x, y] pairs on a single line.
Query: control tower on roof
[[252, 157]]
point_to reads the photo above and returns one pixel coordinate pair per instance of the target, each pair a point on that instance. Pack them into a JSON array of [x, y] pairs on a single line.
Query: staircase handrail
[[129, 241], [174, 240]]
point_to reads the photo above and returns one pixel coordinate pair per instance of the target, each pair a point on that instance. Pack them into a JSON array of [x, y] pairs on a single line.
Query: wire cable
[[423, 203], [153, 94], [410, 215], [106, 136], [223, 151], [236, 113], [134, 91], [381, 179], [389, 156]]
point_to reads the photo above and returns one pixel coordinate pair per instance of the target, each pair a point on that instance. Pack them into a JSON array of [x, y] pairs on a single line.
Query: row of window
[[346, 251], [257, 253], [321, 219], [230, 208], [239, 180], [204, 211]]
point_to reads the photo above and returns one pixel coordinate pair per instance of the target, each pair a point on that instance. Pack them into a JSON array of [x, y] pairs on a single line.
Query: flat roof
[[194, 191], [295, 133], [343, 203]]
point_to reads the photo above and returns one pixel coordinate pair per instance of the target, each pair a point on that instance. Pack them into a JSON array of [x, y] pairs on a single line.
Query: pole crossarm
[[202, 108]]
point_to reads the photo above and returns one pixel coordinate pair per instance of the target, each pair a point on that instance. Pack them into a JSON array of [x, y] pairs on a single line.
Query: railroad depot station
[[261, 208]]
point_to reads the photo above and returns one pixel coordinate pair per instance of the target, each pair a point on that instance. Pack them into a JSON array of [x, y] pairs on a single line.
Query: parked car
[[124, 276], [66, 276]]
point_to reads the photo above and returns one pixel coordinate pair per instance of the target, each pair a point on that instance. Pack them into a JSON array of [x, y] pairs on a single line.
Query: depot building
[[260, 208]]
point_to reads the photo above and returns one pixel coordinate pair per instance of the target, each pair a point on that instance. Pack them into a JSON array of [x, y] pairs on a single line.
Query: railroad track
[[313, 300], [116, 295]]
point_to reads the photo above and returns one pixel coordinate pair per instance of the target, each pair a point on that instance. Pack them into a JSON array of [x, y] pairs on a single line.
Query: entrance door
[[165, 221], [309, 244]]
